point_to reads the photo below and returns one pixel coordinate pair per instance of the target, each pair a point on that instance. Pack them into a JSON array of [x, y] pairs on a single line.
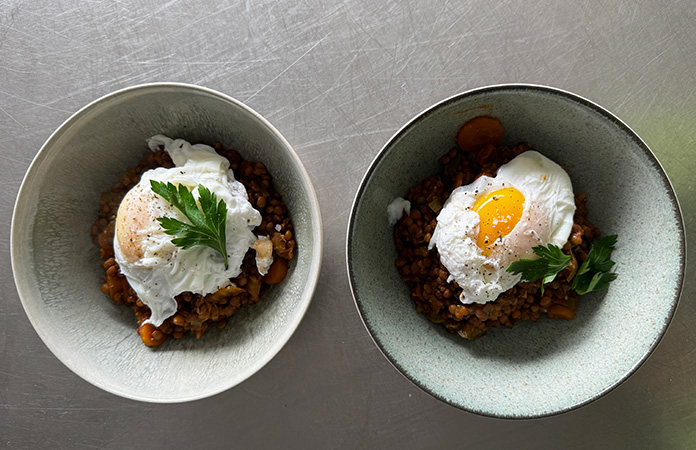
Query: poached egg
[[489, 224], [157, 269]]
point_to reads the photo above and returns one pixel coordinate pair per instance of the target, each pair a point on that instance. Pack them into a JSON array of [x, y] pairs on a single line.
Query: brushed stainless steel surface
[[338, 79]]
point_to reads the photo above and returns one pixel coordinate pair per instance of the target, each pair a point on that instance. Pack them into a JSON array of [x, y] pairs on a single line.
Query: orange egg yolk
[[499, 212]]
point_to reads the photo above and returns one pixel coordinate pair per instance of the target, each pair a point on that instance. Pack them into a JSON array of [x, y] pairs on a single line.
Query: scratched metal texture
[[338, 78]]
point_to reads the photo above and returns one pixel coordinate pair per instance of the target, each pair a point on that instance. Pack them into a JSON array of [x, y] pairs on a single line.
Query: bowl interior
[[542, 368], [57, 268]]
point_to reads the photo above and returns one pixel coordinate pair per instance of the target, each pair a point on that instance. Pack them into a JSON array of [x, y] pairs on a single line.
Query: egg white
[[547, 218]]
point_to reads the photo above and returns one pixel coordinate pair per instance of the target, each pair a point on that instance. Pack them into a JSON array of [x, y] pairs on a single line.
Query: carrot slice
[[478, 132]]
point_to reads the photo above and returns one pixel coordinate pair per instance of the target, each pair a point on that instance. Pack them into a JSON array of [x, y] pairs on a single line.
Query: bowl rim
[[20, 278], [568, 96]]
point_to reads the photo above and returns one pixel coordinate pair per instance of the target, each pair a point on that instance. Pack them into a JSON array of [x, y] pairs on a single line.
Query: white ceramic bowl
[[551, 366], [58, 272]]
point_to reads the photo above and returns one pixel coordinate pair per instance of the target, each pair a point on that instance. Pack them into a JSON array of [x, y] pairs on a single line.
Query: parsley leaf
[[593, 274], [208, 222], [551, 261]]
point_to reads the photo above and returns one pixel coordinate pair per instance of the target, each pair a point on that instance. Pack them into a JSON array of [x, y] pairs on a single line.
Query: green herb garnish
[[593, 274], [207, 222], [551, 261]]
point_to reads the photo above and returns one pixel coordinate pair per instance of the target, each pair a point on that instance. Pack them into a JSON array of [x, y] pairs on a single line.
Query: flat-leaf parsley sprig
[[551, 261], [593, 274], [208, 222]]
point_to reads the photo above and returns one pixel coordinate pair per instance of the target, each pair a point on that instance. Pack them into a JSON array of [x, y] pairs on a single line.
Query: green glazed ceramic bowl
[[58, 272], [551, 366]]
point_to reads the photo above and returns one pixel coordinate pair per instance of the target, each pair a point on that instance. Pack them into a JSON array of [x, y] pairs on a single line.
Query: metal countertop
[[338, 79]]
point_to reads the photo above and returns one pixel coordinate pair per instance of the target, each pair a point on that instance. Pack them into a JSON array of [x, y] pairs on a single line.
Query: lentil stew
[[426, 276], [197, 313]]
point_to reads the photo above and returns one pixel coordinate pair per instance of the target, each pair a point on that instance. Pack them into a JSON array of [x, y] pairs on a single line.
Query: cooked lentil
[[196, 313]]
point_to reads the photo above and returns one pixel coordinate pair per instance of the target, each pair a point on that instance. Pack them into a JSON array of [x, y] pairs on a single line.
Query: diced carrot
[[557, 311], [277, 271], [150, 335]]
